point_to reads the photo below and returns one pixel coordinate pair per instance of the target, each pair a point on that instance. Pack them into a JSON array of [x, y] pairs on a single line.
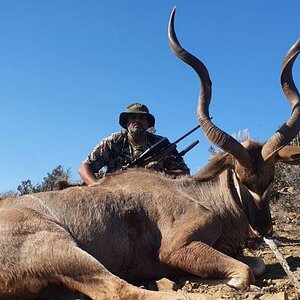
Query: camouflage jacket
[[115, 151]]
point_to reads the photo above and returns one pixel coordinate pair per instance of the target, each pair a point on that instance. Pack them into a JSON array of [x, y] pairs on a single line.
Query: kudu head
[[252, 164]]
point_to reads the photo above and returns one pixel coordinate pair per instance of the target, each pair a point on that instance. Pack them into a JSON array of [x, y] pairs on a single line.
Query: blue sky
[[69, 67]]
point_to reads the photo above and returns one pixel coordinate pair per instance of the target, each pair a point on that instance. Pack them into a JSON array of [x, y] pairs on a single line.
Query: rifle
[[160, 150]]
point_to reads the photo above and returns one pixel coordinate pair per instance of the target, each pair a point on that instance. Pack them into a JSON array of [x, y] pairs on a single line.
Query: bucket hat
[[136, 108]]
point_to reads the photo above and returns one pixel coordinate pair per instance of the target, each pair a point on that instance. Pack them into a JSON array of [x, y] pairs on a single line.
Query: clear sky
[[69, 67]]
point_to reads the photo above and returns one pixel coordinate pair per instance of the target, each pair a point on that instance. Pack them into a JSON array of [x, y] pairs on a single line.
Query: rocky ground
[[274, 284]]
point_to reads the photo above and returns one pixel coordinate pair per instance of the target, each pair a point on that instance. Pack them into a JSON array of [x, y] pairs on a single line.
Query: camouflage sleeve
[[100, 155]]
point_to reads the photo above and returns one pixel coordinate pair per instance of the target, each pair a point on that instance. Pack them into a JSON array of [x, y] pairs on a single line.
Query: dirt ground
[[274, 284]]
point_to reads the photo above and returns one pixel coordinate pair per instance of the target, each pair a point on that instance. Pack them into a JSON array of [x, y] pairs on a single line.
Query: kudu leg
[[191, 251], [204, 261], [42, 253]]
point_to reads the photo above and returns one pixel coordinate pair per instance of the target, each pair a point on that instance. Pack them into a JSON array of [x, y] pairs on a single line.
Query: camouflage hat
[[136, 108]]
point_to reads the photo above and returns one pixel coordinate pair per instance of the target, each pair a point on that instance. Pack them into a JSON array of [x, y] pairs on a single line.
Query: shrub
[[57, 179]]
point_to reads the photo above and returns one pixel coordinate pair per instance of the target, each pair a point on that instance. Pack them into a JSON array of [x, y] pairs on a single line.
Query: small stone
[[254, 287], [278, 296], [166, 284]]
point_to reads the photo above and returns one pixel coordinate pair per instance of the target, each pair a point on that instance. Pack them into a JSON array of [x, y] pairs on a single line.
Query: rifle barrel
[[185, 135], [187, 149]]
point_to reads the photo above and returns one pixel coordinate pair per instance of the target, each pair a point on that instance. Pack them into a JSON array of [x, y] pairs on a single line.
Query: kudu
[[139, 225]]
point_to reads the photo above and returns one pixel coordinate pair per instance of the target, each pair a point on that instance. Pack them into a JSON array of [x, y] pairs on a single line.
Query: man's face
[[137, 124]]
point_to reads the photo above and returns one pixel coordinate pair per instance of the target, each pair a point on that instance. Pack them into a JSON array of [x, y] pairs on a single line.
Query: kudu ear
[[217, 164], [289, 155]]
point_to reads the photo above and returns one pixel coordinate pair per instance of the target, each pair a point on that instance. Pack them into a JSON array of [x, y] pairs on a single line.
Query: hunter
[[121, 148]]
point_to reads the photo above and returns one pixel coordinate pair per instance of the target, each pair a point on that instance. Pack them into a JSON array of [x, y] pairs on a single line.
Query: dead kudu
[[141, 225]]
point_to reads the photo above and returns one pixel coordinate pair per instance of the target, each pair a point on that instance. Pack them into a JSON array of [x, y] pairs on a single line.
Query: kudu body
[[141, 225]]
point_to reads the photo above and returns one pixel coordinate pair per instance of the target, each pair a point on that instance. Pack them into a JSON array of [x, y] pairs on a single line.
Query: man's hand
[[155, 165], [87, 175]]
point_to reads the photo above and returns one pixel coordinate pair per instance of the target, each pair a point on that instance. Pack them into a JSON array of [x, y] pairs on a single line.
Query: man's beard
[[136, 132]]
